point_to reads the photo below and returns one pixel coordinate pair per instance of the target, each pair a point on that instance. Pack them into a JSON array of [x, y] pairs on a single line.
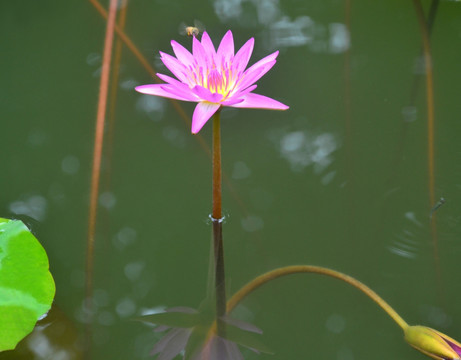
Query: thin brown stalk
[[113, 94], [218, 245], [423, 26], [97, 155]]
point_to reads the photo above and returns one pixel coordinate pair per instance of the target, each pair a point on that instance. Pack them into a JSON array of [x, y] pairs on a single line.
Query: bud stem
[[296, 269]]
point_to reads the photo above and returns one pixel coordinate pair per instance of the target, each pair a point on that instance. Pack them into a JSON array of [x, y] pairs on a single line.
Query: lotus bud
[[433, 343]]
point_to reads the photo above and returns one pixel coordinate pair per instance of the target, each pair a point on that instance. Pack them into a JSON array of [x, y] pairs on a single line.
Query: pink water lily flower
[[213, 78]]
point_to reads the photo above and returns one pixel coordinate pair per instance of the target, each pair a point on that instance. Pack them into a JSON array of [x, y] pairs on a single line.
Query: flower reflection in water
[[190, 332]]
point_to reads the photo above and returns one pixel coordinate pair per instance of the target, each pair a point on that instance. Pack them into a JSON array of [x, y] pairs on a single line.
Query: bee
[[191, 30]]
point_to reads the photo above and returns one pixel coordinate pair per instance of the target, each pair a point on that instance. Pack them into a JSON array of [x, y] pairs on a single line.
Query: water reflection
[[124, 238], [54, 337], [34, 206], [405, 243], [284, 32], [133, 270], [175, 136], [333, 38], [409, 113], [70, 165], [37, 138], [436, 316], [302, 149], [252, 223], [240, 171], [93, 59], [125, 307], [345, 354], [228, 9], [335, 323], [107, 199], [152, 106]]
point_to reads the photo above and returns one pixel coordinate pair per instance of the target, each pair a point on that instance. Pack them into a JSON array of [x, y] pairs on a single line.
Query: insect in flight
[[191, 30]]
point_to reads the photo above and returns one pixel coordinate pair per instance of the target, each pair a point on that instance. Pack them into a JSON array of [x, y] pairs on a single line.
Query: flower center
[[216, 82], [220, 81]]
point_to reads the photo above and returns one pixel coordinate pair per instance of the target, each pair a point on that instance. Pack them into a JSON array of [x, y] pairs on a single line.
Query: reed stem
[[96, 171]]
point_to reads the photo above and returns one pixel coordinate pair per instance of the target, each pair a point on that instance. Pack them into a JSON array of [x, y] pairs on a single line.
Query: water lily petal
[[207, 95], [243, 56], [241, 324], [180, 92], [257, 101], [214, 78], [163, 342], [262, 64], [208, 46], [182, 54], [239, 95], [200, 54], [218, 348], [183, 309], [225, 51], [173, 64], [162, 328], [202, 113], [232, 350], [231, 102], [173, 345], [169, 79], [250, 77], [263, 61], [159, 90]]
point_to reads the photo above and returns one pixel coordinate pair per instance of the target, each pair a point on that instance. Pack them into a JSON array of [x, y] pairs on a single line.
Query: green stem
[[296, 269], [220, 285]]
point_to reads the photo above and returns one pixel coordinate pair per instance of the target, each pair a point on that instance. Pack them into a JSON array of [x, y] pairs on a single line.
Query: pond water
[[343, 179]]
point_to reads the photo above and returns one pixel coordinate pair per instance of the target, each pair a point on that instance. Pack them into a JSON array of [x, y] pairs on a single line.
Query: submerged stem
[[220, 285], [296, 269]]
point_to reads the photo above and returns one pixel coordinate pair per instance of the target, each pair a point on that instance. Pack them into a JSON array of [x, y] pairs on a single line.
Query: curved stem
[[297, 269]]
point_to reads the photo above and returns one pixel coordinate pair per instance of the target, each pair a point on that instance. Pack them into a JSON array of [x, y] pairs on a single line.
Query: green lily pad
[[27, 288]]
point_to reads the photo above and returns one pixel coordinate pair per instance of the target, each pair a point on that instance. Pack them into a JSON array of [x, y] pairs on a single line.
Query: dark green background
[[359, 222]]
